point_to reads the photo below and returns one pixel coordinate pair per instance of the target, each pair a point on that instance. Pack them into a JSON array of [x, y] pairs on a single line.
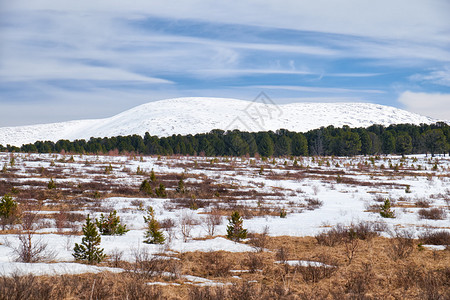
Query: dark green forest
[[376, 139]]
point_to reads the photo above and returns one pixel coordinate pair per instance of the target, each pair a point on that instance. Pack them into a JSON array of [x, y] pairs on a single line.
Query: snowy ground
[[347, 189]]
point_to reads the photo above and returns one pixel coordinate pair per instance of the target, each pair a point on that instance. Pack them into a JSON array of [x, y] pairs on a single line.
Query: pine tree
[[153, 234], [388, 143], [161, 191], [51, 184], [299, 145], [8, 211], [146, 187], [89, 249], [283, 146], [265, 145], [111, 225], [180, 188], [152, 176], [386, 211], [235, 231], [403, 144]]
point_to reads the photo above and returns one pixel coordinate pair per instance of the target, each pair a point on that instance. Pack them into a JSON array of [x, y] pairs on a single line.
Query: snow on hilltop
[[199, 115]]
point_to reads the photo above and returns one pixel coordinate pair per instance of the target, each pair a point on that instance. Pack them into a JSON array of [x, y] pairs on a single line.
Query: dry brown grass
[[373, 274]]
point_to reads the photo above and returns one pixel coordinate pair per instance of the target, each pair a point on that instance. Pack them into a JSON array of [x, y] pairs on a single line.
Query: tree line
[[345, 141]]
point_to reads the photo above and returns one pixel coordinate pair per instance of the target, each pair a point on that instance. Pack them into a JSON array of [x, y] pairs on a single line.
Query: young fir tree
[[51, 184], [8, 211], [180, 189], [152, 176], [146, 187], [153, 234], [235, 231], [161, 191], [386, 211], [89, 249], [111, 225]]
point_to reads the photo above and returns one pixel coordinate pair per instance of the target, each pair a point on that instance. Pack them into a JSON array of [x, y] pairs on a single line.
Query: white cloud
[[400, 19], [101, 40], [433, 105], [441, 77], [23, 70], [317, 89]]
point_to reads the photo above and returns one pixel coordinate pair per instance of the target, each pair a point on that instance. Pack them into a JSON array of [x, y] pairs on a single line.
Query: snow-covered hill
[[197, 115]]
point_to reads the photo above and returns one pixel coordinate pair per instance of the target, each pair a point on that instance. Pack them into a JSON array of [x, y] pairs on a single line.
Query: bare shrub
[[187, 223], [423, 203], [313, 203], [61, 221], [259, 241], [314, 273], [248, 290], [380, 226], [379, 198], [340, 233], [365, 230], [137, 290], [31, 246], [138, 203], [24, 287], [147, 265], [115, 257], [210, 293], [434, 285], [432, 214], [402, 244], [407, 276], [439, 237], [351, 243], [360, 282], [168, 225], [253, 262], [212, 220], [282, 255], [333, 236], [217, 264]]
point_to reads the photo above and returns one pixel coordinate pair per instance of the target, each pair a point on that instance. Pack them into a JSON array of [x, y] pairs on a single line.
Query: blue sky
[[64, 60]]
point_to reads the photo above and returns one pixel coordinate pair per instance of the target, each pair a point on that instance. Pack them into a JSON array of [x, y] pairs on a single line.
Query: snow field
[[279, 187]]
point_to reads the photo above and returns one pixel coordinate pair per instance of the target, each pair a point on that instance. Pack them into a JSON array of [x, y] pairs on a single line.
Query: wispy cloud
[[317, 89], [437, 76], [24, 70], [348, 48]]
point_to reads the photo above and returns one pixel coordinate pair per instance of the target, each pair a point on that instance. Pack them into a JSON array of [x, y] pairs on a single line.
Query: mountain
[[198, 115]]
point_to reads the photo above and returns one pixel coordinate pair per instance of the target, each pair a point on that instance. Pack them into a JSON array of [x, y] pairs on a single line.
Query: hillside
[[198, 115]]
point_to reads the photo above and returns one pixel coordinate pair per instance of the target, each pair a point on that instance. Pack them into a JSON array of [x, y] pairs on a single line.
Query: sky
[[66, 60]]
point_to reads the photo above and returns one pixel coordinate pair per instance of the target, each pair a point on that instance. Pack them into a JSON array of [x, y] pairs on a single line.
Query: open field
[[314, 227]]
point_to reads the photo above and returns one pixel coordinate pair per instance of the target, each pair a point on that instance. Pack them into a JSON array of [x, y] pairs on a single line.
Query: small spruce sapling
[[152, 176], [51, 184], [146, 187], [89, 249], [153, 234], [161, 191], [8, 211], [181, 188], [386, 211], [235, 230], [111, 225], [408, 189]]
